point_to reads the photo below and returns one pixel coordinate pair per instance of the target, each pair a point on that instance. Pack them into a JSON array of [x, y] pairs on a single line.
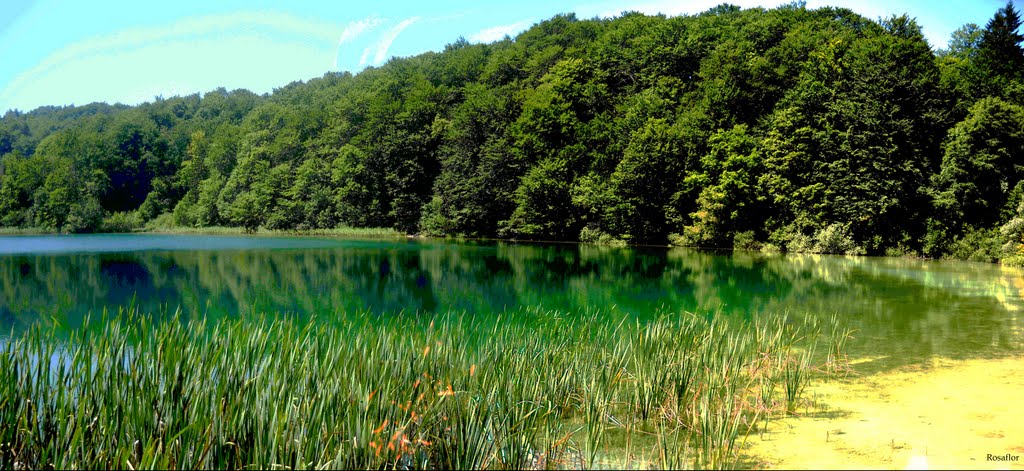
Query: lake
[[903, 310]]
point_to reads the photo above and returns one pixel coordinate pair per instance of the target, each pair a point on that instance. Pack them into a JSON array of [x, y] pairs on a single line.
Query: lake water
[[904, 310]]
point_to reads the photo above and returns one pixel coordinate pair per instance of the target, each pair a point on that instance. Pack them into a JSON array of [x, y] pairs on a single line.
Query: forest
[[790, 129]]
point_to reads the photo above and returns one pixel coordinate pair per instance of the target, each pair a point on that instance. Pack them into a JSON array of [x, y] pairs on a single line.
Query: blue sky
[[60, 52]]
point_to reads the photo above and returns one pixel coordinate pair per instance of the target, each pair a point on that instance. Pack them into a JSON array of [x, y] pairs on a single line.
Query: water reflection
[[903, 309]]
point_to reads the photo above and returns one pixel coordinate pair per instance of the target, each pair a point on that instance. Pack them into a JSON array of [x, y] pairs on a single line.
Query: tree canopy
[[803, 129]]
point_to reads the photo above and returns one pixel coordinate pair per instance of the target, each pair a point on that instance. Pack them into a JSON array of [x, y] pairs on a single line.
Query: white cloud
[[380, 49], [365, 58], [353, 30], [498, 33]]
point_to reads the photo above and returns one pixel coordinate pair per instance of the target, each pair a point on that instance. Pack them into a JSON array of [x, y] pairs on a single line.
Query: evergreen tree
[[1000, 43]]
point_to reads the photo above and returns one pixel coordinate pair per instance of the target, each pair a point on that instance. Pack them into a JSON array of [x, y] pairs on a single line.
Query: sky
[[63, 52]]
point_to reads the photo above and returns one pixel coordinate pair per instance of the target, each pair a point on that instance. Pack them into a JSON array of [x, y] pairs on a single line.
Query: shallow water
[[904, 310]]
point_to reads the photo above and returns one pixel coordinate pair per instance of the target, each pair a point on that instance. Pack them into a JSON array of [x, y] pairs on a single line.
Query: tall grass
[[6, 231], [533, 389], [334, 232]]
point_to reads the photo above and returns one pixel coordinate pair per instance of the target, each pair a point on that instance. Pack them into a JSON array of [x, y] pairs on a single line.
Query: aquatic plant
[[530, 389]]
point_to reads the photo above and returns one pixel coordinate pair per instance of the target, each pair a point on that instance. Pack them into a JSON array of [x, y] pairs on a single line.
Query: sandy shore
[[943, 415]]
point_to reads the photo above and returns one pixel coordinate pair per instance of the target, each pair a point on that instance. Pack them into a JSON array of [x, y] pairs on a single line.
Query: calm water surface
[[904, 310]]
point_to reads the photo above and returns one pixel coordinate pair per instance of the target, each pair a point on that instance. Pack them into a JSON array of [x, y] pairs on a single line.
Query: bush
[[976, 245], [833, 239], [434, 222], [1013, 261], [836, 239], [597, 236], [86, 216], [677, 240], [1012, 236], [183, 213], [121, 222], [936, 239], [901, 251], [161, 222], [800, 243], [745, 241]]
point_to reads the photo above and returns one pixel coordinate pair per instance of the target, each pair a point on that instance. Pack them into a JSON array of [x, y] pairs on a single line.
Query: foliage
[[122, 222], [999, 48], [371, 392], [977, 245], [162, 222], [1012, 234], [835, 239], [799, 128], [978, 170], [596, 236], [745, 241]]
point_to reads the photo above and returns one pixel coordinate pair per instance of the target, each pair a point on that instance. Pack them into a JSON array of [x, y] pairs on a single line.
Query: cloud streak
[[381, 47], [353, 30], [498, 33]]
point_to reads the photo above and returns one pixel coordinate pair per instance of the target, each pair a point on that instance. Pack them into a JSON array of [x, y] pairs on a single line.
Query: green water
[[903, 310]]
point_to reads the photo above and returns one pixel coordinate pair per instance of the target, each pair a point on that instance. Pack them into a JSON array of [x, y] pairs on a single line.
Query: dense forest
[[803, 130]]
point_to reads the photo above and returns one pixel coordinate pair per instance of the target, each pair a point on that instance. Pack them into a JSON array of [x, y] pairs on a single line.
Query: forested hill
[[809, 130]]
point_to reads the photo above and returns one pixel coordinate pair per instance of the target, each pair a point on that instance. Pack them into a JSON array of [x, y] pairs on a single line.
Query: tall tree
[[1000, 49], [979, 170]]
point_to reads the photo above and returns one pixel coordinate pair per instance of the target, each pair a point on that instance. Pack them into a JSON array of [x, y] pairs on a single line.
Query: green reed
[[532, 389]]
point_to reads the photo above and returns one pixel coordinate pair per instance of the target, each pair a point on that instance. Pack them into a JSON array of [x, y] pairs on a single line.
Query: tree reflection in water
[[902, 308]]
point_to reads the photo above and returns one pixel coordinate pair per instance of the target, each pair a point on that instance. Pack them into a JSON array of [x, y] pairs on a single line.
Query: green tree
[[544, 203], [244, 200], [309, 201], [68, 200], [978, 172], [189, 177], [1012, 234], [728, 201], [644, 181], [353, 201], [965, 42], [853, 143], [476, 184], [999, 49], [19, 178]]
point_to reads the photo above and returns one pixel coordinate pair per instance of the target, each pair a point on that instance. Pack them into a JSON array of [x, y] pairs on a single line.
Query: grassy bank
[[7, 231], [545, 390], [371, 232], [335, 232]]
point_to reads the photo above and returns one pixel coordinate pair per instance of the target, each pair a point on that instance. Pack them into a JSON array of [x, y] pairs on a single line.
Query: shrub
[[597, 236], [1013, 239], [836, 239], [121, 222], [833, 239], [745, 241], [163, 221], [800, 243], [901, 250], [976, 245], [434, 221], [677, 240]]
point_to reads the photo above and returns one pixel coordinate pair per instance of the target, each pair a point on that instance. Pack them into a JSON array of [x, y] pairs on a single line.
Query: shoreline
[[943, 414]]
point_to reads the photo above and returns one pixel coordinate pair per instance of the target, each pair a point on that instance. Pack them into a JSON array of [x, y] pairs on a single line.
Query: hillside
[[809, 130]]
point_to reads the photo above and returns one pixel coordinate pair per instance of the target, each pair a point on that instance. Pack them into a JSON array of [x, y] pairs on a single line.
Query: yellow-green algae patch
[[945, 414]]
